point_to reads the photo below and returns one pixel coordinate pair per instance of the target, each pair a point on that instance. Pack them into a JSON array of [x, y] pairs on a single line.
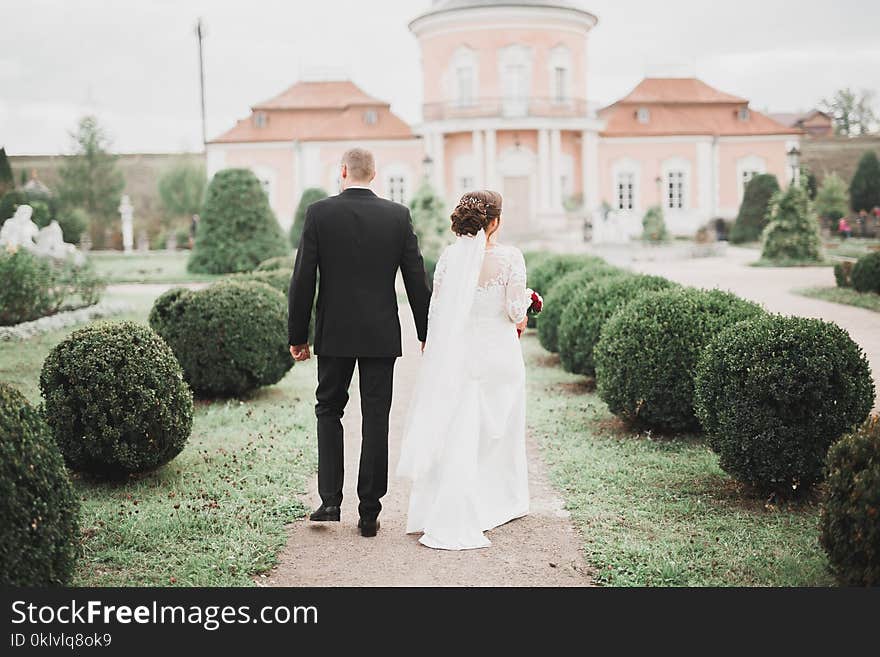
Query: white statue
[[50, 243], [126, 211], [19, 231]]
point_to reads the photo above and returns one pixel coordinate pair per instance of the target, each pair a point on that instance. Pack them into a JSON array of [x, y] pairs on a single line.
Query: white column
[[705, 180], [491, 160], [590, 169], [438, 154], [479, 159], [544, 170], [556, 171]]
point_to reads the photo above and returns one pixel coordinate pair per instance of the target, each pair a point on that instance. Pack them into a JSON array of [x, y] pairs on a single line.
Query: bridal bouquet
[[535, 308]]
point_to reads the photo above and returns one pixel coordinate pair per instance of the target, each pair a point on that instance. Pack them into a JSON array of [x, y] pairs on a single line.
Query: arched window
[[515, 64], [560, 75], [676, 184], [746, 169], [396, 179], [625, 175], [463, 76]]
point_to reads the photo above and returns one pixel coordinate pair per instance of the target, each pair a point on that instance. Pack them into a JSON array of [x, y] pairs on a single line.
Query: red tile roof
[[685, 106], [319, 111]]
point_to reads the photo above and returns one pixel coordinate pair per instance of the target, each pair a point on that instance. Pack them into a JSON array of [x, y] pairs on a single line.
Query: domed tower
[[505, 93]]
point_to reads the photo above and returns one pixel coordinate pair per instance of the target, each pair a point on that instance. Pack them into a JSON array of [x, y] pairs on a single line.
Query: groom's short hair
[[360, 163]]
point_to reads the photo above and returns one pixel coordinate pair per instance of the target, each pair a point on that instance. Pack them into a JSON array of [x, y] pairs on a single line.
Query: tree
[[89, 178], [864, 190], [237, 230], [853, 113], [182, 189], [810, 182], [430, 222], [311, 195], [793, 231], [832, 199], [752, 216], [7, 180]]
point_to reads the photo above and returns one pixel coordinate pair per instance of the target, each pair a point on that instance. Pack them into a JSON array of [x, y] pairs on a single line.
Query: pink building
[[296, 140], [505, 107]]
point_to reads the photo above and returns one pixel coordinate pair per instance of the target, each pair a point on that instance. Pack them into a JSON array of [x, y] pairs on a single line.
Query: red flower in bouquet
[[537, 303]]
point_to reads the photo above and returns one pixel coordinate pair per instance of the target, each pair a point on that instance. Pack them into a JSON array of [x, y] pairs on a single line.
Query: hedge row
[[771, 393]]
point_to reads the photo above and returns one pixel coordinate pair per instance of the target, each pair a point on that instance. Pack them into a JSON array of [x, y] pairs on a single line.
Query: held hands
[[300, 352]]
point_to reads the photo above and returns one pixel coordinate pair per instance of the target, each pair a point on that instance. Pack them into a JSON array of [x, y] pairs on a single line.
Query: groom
[[357, 241]]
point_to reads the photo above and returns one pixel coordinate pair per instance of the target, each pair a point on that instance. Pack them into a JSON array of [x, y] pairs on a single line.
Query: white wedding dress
[[464, 446]]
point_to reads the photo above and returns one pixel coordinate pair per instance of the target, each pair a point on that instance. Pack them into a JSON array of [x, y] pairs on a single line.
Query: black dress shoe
[[368, 528], [325, 514]]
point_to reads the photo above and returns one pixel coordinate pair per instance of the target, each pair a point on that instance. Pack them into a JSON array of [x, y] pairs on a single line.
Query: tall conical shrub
[[793, 231], [311, 195], [864, 190], [752, 217], [7, 180], [237, 230]]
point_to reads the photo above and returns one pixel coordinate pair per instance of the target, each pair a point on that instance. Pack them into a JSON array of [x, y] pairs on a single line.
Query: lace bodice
[[501, 290]]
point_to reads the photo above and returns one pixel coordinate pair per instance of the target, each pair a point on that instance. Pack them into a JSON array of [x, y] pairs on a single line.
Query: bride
[[464, 446]]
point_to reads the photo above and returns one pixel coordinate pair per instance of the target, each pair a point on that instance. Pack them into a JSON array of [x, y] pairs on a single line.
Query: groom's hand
[[300, 352]]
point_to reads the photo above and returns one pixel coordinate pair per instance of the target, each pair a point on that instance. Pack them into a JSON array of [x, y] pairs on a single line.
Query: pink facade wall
[[438, 51], [730, 152], [456, 144], [571, 145], [650, 155]]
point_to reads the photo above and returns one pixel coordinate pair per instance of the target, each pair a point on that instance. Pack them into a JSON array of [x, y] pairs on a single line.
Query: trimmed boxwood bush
[[278, 279], [309, 196], [561, 294], [752, 217], [773, 393], [278, 262], [843, 273], [866, 273], [27, 291], [585, 315], [543, 276], [647, 354], [230, 338], [39, 513], [115, 398], [237, 230], [850, 518], [792, 233]]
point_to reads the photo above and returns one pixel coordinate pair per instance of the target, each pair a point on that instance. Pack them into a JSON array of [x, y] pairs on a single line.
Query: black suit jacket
[[357, 241]]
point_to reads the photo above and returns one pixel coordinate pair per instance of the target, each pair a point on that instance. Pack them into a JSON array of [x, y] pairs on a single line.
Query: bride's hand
[[521, 327]]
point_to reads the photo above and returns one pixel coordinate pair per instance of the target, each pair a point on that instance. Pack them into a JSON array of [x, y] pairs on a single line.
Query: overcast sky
[[134, 63]]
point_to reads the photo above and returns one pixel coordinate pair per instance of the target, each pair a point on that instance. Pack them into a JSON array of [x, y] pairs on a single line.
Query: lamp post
[[428, 168], [794, 161]]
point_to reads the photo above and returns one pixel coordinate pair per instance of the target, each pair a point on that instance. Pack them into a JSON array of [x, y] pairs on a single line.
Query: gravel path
[[774, 287], [542, 549]]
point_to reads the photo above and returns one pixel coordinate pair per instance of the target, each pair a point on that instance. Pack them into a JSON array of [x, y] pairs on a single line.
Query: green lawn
[[153, 267], [660, 512], [854, 247], [214, 516], [844, 295]]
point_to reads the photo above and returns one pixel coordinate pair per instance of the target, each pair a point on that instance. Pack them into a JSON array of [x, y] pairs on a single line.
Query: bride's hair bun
[[475, 211]]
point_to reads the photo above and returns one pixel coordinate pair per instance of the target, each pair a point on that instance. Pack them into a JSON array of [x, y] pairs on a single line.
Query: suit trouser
[[376, 379]]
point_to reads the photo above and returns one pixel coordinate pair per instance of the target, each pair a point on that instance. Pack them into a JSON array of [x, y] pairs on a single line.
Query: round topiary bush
[[647, 354], [39, 513], [115, 399], [561, 294], [230, 338], [865, 274], [843, 273], [27, 288], [278, 279], [237, 230], [590, 308], [548, 270], [773, 393], [850, 518], [279, 262]]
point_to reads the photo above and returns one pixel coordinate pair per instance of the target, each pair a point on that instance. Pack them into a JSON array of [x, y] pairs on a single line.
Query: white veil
[[438, 387]]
